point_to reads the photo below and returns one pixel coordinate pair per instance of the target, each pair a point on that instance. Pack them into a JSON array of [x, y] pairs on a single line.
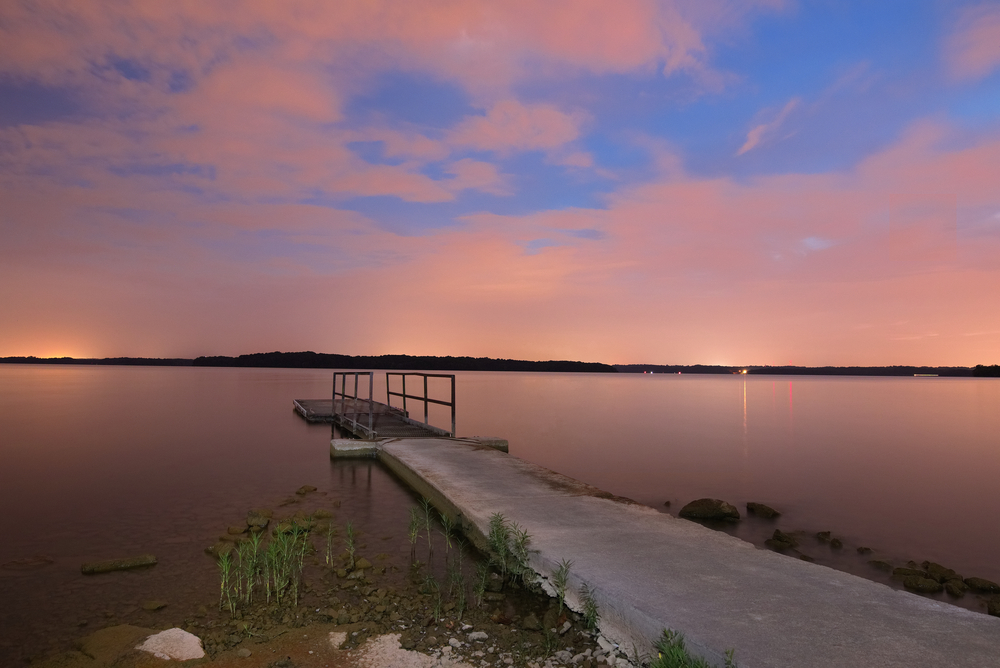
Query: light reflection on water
[[100, 462]]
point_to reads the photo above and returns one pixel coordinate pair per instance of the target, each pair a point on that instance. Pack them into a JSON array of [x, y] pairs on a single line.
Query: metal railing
[[356, 402], [425, 399]]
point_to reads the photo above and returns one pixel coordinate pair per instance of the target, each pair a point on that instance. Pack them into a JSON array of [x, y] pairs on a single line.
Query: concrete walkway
[[650, 571]]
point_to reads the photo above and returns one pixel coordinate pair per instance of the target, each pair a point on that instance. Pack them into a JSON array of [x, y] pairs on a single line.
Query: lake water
[[101, 462]]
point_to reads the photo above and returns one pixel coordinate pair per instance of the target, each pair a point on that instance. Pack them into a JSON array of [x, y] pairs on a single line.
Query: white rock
[[337, 639], [175, 644], [454, 642], [477, 635]]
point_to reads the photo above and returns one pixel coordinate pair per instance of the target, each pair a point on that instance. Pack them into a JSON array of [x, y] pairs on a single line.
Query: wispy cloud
[[767, 131]]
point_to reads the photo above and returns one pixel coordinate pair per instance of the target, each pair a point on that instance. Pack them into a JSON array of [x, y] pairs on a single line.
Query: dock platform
[[649, 571]]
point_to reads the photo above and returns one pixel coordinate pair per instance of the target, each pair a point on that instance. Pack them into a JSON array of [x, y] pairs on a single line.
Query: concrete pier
[[649, 571]]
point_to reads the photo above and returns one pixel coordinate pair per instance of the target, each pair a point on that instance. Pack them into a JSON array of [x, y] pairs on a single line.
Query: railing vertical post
[[403, 376], [426, 419], [371, 406], [453, 433]]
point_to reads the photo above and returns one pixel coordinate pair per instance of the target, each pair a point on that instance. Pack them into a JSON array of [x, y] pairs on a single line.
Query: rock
[[95, 567], [175, 644], [107, 645], [243, 653], [362, 564], [781, 541], [28, 563], [341, 572], [939, 572], [823, 536], [493, 596], [235, 531], [478, 636], [710, 509], [257, 521], [761, 510], [982, 585], [666, 503], [219, 549], [154, 605], [323, 514], [836, 543], [494, 583], [864, 550], [305, 489], [993, 607], [903, 573], [956, 588], [881, 565], [531, 623], [922, 585]]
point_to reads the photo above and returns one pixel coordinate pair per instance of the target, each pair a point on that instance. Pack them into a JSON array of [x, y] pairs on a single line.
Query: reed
[[560, 580], [225, 571], [671, 653], [349, 539], [591, 615], [414, 531], [331, 531]]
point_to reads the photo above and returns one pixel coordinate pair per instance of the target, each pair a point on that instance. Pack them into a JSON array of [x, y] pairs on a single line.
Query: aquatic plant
[[479, 588], [225, 570], [671, 653], [591, 615], [414, 531], [447, 530], [349, 538], [508, 545], [331, 531], [426, 506], [560, 580]]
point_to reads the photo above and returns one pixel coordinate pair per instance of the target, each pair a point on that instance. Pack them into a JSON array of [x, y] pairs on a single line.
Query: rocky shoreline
[[428, 606]]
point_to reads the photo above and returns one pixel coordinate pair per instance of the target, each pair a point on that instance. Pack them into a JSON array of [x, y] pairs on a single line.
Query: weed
[[414, 531], [225, 569], [331, 531], [671, 653], [560, 580], [590, 613], [479, 588], [349, 539], [508, 544], [447, 530], [425, 504]]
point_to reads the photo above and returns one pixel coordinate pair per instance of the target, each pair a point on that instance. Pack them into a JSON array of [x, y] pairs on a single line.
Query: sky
[[812, 182]]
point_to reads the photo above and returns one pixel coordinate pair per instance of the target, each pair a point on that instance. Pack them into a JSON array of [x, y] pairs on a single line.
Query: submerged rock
[[881, 565], [710, 509], [956, 588], [922, 585], [993, 607], [95, 567], [761, 510], [305, 489], [983, 585], [781, 541], [939, 572]]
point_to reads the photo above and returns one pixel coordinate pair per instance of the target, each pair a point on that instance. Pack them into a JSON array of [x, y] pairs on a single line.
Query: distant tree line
[[987, 371], [111, 361], [311, 360]]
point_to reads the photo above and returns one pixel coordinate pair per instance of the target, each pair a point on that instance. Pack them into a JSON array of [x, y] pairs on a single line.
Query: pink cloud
[[477, 175], [510, 125], [972, 51]]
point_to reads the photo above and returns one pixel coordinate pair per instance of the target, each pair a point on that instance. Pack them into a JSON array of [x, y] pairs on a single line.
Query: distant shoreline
[[311, 360]]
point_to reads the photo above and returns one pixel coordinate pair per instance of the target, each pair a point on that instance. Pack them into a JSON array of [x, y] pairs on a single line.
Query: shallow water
[[101, 462]]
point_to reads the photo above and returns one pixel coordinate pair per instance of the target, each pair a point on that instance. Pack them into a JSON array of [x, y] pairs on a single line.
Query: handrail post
[[453, 432], [371, 406], [426, 419]]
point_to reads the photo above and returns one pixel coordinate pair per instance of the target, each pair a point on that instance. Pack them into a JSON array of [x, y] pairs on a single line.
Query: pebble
[[243, 653], [477, 635]]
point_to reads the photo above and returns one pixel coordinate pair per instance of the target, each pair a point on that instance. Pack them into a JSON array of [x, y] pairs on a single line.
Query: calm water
[[100, 462]]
